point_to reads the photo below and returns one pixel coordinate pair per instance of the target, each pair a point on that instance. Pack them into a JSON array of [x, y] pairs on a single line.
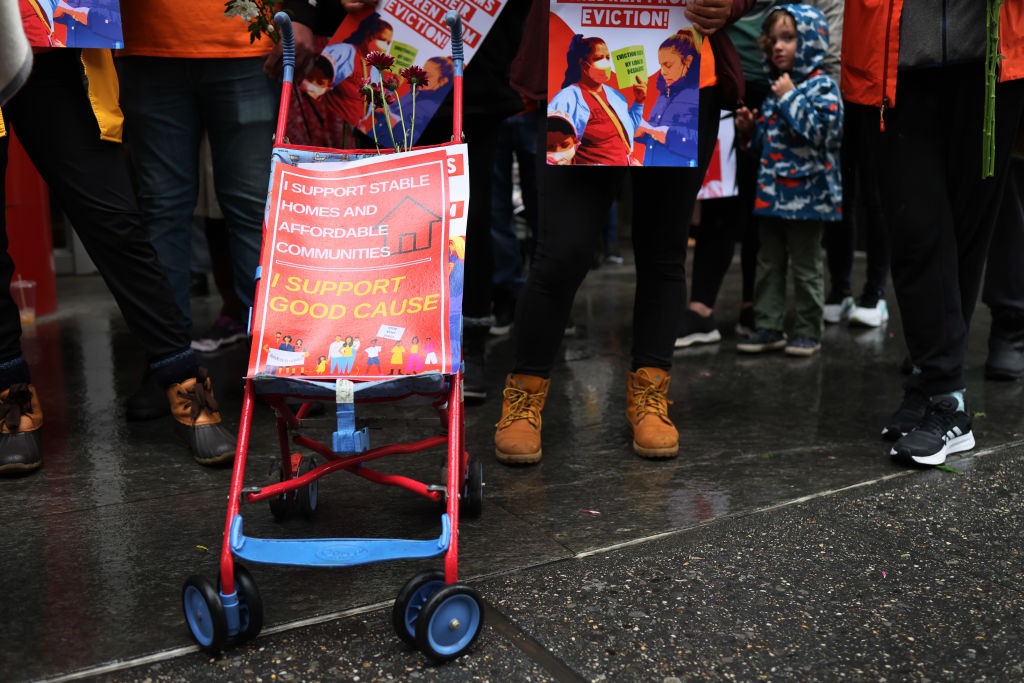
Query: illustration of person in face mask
[[338, 72], [592, 117]]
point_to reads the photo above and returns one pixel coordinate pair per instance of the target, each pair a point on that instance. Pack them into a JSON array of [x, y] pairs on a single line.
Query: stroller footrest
[[334, 552], [357, 441]]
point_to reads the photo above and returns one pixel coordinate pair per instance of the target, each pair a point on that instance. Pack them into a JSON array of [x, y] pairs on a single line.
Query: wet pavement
[[782, 543]]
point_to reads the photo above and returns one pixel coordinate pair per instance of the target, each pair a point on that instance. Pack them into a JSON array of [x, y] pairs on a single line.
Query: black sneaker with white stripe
[[945, 429], [908, 416]]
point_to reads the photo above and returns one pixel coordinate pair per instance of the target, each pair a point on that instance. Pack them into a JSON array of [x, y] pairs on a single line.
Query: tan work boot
[[517, 440], [21, 419], [197, 420], [654, 435]]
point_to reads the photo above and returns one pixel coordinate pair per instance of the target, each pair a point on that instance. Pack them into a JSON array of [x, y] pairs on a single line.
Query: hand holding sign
[[640, 90], [708, 15]]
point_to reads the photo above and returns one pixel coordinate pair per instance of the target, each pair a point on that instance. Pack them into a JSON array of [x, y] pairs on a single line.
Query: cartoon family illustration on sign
[[287, 356], [591, 122]]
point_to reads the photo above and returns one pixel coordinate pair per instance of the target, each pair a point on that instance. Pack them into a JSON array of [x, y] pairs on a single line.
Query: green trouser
[[787, 243]]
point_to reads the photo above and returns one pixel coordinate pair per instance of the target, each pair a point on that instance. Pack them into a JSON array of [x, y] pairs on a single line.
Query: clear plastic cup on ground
[[24, 293]]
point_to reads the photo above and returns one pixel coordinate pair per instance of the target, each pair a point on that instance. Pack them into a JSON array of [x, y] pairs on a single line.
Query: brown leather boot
[[517, 439], [654, 435], [197, 420], [21, 420]]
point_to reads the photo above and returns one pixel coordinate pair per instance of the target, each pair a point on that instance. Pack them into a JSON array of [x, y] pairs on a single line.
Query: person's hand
[[782, 85], [352, 6], [639, 89], [745, 121], [81, 16], [305, 53], [659, 134], [707, 16]]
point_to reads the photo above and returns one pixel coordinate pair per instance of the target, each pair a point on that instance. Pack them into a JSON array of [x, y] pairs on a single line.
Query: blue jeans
[[518, 136], [168, 105]]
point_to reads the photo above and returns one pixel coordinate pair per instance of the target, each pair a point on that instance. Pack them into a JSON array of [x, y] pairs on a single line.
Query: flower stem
[[401, 117], [374, 129], [412, 123], [387, 111]]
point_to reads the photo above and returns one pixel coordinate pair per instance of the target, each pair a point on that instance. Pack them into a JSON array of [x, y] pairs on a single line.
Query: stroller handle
[[284, 22], [454, 22]]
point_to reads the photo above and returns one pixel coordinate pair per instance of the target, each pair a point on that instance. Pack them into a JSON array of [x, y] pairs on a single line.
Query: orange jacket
[[191, 30], [871, 48]]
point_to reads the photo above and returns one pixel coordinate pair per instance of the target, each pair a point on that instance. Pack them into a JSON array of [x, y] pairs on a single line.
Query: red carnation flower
[[415, 75], [381, 60], [390, 81], [373, 95]]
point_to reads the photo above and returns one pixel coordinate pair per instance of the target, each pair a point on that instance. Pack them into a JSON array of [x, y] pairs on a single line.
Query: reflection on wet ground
[[97, 543]]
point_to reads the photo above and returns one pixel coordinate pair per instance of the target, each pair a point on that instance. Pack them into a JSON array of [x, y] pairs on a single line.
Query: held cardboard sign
[[623, 83], [362, 267], [329, 102]]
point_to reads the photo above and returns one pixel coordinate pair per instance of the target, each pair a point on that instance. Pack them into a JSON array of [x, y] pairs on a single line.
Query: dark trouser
[[573, 214], [89, 178], [939, 210], [723, 222], [517, 137], [860, 192], [1004, 274], [726, 220]]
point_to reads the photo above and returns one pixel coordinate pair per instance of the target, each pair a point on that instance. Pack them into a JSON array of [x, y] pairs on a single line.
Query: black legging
[[573, 210], [89, 178]]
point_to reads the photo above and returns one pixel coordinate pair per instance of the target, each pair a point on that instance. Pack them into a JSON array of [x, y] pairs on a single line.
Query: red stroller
[[396, 278]]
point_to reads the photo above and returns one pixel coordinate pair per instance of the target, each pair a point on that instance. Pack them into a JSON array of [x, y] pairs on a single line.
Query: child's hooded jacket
[[800, 133]]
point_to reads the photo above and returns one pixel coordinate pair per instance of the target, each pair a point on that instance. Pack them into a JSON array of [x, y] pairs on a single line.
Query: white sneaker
[[874, 316], [835, 313]]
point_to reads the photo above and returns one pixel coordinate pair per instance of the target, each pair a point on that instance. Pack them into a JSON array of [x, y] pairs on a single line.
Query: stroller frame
[[433, 612]]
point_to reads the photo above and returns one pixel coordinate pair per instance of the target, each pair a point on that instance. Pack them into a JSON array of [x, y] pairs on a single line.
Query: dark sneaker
[[762, 340], [474, 384], [696, 329], [945, 429], [745, 326], [504, 316], [802, 345], [838, 307], [908, 416], [21, 422], [148, 403], [223, 332], [1005, 346]]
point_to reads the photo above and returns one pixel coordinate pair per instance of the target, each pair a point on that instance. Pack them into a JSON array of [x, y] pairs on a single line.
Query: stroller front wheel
[[204, 613], [449, 622]]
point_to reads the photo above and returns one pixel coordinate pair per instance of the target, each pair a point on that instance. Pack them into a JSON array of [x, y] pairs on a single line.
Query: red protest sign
[[361, 270]]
